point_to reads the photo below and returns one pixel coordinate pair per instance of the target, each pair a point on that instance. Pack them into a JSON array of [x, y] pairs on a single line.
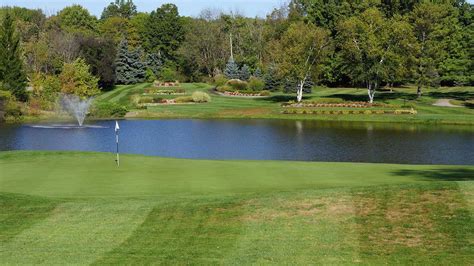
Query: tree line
[[305, 42]]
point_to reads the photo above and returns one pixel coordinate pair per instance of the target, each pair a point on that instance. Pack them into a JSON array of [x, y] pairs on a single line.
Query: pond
[[257, 140]]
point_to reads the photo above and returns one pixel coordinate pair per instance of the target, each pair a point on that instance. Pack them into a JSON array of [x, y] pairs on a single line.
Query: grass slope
[[234, 107], [64, 208]]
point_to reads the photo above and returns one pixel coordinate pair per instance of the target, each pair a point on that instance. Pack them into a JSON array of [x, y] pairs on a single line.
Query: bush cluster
[[108, 109], [10, 109], [256, 84], [220, 80], [201, 97], [237, 84], [184, 99]]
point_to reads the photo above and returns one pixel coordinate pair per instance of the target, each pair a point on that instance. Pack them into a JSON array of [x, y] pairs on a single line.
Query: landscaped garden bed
[[165, 91], [144, 100], [159, 84], [314, 111], [240, 88], [334, 102], [246, 94]]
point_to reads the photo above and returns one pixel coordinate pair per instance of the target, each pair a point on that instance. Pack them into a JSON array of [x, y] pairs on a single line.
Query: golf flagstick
[[117, 128]]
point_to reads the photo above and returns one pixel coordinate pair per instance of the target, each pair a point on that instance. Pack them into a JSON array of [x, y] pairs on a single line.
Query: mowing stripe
[[75, 233]]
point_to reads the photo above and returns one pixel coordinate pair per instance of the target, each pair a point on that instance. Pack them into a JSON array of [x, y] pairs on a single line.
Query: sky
[[249, 8]]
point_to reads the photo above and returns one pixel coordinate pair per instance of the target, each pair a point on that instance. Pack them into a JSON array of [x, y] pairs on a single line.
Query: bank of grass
[[79, 208], [236, 107]]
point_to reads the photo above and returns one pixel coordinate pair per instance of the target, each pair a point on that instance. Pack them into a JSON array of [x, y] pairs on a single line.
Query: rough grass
[[79, 208], [234, 107]]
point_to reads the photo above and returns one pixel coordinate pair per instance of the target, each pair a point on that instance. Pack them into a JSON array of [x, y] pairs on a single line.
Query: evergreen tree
[[272, 82], [154, 63], [258, 73], [12, 74], [292, 85], [231, 69], [244, 73], [123, 70], [164, 31], [137, 66]]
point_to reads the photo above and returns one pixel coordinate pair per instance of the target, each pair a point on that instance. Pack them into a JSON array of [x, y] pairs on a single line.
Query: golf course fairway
[[80, 208]]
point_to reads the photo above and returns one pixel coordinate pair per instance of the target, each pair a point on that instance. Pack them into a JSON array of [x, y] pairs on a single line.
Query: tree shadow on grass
[[381, 96], [441, 174], [456, 95], [281, 98]]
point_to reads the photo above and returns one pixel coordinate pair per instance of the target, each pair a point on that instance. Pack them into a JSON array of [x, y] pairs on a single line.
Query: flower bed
[[349, 112], [157, 91], [166, 84], [338, 105], [246, 94]]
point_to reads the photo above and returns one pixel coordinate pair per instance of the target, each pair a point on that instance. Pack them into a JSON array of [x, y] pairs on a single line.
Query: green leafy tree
[[427, 21], [164, 32], [300, 53], [12, 74], [120, 8], [99, 53], [76, 19], [232, 69], [77, 79], [371, 45], [205, 45]]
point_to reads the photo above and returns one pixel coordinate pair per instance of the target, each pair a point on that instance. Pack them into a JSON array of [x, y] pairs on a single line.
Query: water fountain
[[76, 106]]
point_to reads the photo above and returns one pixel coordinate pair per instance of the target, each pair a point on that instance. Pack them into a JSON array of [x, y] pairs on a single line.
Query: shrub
[[149, 75], [220, 80], [10, 109], [237, 84], [184, 99], [108, 110], [256, 84], [168, 74], [201, 97], [135, 99], [225, 88], [265, 93]]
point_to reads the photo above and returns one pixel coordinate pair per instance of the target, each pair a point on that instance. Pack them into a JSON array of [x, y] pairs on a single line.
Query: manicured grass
[[71, 207], [234, 107]]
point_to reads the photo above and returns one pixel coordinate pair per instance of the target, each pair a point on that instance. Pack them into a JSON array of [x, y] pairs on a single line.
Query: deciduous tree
[[300, 52]]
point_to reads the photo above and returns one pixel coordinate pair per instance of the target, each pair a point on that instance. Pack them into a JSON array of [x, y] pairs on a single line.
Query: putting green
[[79, 208]]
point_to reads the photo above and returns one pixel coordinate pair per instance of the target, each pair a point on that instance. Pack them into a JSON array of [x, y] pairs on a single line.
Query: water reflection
[[258, 140]]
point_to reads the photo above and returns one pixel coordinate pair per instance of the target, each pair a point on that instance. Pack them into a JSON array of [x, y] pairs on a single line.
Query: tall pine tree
[[129, 68], [12, 74], [137, 66]]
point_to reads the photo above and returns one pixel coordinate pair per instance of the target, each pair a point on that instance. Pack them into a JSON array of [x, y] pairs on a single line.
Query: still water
[[256, 140]]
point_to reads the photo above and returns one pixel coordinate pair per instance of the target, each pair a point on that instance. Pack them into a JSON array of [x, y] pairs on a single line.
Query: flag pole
[[117, 128]]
